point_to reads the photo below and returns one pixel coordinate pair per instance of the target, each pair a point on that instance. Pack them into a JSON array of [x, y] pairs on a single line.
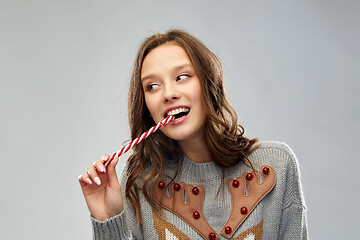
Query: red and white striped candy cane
[[140, 138]]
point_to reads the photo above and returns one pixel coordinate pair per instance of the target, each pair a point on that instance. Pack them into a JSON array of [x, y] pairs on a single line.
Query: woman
[[199, 177]]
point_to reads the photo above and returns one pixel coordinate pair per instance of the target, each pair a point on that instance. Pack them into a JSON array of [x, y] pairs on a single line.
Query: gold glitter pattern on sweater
[[254, 233], [166, 230]]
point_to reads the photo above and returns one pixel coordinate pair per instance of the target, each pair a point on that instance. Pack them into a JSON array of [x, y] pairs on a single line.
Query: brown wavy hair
[[224, 136]]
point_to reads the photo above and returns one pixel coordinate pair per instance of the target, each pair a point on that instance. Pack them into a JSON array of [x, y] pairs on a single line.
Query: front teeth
[[178, 110]]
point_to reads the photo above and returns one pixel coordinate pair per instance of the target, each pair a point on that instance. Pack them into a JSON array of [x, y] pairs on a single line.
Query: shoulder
[[277, 154], [282, 158], [271, 146]]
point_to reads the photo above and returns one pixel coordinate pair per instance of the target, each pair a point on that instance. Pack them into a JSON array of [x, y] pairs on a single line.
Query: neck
[[196, 149]]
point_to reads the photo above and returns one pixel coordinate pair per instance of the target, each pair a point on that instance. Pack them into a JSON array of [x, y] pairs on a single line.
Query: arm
[[293, 222], [117, 227], [111, 218]]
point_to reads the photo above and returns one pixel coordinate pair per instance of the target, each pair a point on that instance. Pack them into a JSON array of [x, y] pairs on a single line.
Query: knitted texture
[[281, 214]]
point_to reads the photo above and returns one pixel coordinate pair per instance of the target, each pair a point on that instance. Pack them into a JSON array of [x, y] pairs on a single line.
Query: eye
[[152, 86], [182, 76]]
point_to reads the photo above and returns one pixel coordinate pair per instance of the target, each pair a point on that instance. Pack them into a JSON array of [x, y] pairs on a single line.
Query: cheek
[[197, 97], [148, 104], [197, 93], [152, 105]]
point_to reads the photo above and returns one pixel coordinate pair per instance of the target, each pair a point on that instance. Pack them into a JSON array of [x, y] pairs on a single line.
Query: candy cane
[[140, 138]]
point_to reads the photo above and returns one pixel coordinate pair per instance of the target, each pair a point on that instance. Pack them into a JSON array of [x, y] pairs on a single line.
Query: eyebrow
[[177, 68]]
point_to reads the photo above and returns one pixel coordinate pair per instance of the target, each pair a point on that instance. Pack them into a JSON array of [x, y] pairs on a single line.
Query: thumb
[[112, 175]]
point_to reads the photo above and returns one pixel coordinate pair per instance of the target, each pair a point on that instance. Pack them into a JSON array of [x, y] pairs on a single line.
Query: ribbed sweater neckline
[[200, 171]]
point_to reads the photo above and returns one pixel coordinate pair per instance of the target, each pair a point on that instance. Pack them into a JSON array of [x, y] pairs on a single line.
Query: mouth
[[178, 113]]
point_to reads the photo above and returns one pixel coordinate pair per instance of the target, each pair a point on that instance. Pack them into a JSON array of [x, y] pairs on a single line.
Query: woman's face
[[171, 87]]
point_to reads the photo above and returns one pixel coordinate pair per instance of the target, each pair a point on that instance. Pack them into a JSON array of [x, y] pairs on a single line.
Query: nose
[[170, 93]]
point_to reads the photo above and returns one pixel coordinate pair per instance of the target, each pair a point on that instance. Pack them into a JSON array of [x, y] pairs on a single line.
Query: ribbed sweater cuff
[[112, 228]]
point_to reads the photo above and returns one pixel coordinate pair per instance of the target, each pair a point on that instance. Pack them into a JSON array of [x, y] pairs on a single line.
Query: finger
[[91, 171], [99, 165], [113, 179], [84, 180], [105, 157]]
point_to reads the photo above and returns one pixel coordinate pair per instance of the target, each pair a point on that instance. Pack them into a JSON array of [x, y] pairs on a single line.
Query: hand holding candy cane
[[101, 187]]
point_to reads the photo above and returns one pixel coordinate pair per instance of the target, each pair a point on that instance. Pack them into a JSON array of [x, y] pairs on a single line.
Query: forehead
[[164, 57]]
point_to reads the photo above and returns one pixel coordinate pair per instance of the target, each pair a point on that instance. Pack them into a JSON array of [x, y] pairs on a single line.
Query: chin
[[183, 135], [177, 136]]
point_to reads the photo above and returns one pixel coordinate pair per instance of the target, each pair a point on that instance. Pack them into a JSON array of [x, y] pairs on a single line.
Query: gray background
[[291, 70]]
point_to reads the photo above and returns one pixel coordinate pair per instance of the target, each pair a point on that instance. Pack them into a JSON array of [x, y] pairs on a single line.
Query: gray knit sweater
[[269, 205]]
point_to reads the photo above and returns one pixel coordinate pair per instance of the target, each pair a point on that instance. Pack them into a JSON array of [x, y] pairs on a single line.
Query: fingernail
[[116, 160], [104, 157], [88, 181], [79, 177], [102, 168], [97, 180]]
